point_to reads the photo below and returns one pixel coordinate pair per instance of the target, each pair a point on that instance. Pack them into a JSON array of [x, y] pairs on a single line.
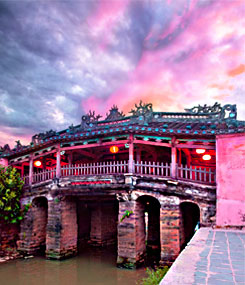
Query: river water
[[92, 266]]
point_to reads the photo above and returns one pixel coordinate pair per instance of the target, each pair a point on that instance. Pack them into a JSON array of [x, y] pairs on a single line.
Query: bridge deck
[[211, 257]]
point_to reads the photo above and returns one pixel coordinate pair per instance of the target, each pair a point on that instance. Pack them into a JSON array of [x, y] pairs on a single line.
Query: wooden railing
[[99, 168], [196, 173], [44, 175], [25, 179], [156, 169], [152, 168]]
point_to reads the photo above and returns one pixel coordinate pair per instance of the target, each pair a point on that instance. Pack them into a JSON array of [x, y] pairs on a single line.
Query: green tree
[[10, 192]]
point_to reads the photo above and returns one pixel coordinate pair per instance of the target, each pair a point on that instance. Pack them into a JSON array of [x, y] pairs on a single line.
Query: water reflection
[[92, 266]]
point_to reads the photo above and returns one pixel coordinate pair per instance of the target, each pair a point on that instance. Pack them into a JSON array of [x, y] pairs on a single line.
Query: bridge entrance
[[190, 217]]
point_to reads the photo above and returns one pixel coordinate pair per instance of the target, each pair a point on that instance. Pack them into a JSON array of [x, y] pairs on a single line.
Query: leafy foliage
[[127, 214], [154, 276], [10, 193]]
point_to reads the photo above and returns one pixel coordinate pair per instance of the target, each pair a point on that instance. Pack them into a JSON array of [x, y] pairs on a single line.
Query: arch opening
[[40, 219], [97, 224], [190, 220], [149, 227]]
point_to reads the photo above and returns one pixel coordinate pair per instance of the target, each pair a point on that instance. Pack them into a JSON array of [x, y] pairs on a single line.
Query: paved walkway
[[211, 257]]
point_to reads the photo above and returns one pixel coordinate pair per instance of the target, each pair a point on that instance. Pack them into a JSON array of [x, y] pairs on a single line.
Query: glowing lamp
[[206, 157], [200, 150], [114, 149], [37, 163]]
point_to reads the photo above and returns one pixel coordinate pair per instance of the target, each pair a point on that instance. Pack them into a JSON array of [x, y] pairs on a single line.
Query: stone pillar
[[33, 228], [61, 229], [58, 170], [169, 229], [131, 235]]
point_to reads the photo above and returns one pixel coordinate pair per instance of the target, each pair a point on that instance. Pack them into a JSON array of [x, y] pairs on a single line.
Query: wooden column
[[173, 158], [131, 155], [58, 170], [22, 170], [138, 155], [70, 158], [30, 170], [44, 163]]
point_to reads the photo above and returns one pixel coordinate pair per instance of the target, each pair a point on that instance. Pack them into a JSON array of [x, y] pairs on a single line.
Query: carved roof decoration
[[226, 112], [198, 121], [142, 109], [114, 114]]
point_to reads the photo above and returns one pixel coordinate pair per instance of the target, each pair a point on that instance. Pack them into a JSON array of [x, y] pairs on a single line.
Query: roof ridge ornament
[[114, 114], [228, 111], [89, 119], [142, 109]]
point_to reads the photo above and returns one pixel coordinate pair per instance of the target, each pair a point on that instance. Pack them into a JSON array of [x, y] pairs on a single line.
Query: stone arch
[[189, 221], [40, 218], [148, 219]]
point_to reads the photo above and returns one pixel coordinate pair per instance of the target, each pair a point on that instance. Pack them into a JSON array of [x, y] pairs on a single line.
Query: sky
[[60, 59]]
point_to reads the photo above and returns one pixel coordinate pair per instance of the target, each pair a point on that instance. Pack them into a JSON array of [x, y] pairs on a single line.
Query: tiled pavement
[[211, 257]]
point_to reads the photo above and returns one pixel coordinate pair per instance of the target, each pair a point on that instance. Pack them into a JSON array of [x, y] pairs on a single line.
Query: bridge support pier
[[61, 228], [131, 235], [33, 228], [169, 231]]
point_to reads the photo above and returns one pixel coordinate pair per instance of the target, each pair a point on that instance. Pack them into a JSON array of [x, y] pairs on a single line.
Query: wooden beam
[[195, 146], [99, 144], [152, 143]]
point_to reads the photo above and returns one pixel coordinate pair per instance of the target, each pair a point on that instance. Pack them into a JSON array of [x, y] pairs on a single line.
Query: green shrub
[[10, 193], [154, 276]]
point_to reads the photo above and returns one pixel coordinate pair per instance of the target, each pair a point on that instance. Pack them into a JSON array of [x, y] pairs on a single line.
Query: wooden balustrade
[[152, 168], [99, 168], [43, 175], [156, 169], [196, 173]]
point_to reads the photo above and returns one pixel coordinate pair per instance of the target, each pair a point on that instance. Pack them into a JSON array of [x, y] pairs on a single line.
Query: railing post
[[173, 158], [131, 155], [30, 170], [58, 168]]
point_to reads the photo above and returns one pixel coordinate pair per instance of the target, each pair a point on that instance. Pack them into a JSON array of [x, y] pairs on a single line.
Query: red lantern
[[206, 157], [200, 150], [37, 163], [114, 149]]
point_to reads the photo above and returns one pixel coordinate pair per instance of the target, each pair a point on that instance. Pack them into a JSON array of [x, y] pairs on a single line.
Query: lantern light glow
[[206, 157], [114, 149], [37, 163], [200, 150]]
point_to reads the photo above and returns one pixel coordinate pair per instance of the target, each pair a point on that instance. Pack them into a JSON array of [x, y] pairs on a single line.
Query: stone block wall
[[8, 237], [131, 235], [61, 228], [169, 232], [33, 228]]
